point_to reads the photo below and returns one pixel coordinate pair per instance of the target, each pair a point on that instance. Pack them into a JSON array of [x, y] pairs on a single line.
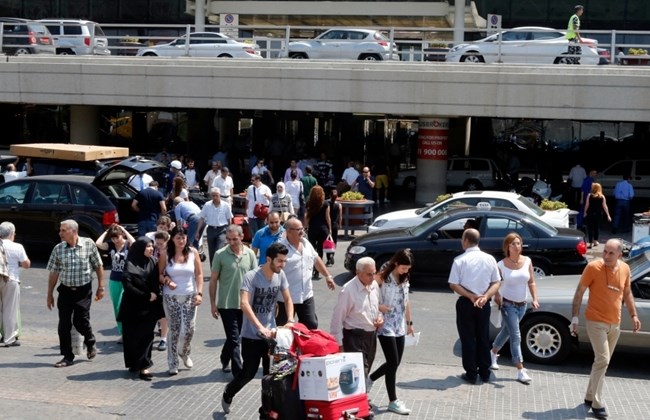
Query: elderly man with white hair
[[356, 315], [10, 287]]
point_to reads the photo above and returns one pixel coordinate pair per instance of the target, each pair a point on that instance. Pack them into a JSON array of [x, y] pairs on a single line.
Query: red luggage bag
[[239, 220], [348, 408]]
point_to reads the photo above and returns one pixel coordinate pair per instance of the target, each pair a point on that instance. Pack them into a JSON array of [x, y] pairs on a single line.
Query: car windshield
[[639, 265], [424, 226], [424, 209], [534, 208]]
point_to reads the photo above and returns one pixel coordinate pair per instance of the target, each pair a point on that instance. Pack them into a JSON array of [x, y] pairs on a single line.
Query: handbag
[[328, 245], [260, 211]]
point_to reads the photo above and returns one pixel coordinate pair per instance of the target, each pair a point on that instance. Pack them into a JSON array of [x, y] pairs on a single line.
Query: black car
[[436, 242], [36, 205]]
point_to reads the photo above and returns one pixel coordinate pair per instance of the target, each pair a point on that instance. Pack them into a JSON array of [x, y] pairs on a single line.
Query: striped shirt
[[75, 264]]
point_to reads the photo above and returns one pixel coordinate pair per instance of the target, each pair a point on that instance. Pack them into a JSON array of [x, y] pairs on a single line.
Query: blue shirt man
[[624, 193], [365, 183], [269, 234], [188, 212]]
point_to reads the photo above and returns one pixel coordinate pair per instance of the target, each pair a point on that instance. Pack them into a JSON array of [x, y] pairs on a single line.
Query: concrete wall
[[402, 89]]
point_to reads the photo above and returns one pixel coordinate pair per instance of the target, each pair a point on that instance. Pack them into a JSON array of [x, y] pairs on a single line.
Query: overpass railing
[[414, 43]]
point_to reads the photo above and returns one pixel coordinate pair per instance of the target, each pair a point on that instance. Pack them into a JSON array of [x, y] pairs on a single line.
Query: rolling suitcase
[[348, 408], [279, 400]]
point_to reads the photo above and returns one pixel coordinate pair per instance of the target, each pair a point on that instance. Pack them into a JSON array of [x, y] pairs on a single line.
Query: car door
[[641, 178], [50, 204], [543, 47], [613, 174], [329, 44], [204, 45], [513, 48], [436, 249], [12, 207], [496, 227]]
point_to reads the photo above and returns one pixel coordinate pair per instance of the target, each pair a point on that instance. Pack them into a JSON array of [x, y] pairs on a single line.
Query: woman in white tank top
[[518, 277]]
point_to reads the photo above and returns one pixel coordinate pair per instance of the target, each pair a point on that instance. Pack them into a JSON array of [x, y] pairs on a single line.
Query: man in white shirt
[[261, 170], [225, 185], [209, 177], [10, 289], [350, 174], [356, 316], [191, 175], [257, 192], [475, 278], [577, 175], [12, 174], [217, 215], [140, 181]]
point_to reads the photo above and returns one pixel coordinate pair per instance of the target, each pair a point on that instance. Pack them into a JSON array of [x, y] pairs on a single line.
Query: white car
[[528, 44], [203, 44], [413, 217], [74, 36], [344, 44]]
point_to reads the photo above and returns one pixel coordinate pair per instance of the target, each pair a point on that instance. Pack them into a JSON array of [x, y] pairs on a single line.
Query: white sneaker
[[398, 407], [187, 362], [522, 376], [494, 357]]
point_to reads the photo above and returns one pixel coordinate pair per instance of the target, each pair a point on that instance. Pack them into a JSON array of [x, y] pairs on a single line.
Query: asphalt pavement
[[428, 379]]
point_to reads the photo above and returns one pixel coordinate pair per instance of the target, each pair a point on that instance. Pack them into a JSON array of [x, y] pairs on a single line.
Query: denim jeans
[[510, 330]]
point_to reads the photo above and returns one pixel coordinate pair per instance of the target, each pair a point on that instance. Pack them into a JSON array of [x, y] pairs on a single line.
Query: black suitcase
[[279, 401]]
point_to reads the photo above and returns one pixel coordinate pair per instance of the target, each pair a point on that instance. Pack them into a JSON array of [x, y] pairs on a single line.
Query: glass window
[[619, 169], [480, 165], [82, 196], [14, 192], [642, 167], [332, 35], [71, 29], [499, 227]]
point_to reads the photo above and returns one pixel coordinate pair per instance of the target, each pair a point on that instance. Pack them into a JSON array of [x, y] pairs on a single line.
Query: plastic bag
[[328, 245], [412, 340]]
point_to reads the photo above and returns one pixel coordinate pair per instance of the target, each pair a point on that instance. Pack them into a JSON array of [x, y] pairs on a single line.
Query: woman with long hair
[[182, 277], [141, 306], [595, 206], [336, 215], [393, 279], [317, 220], [517, 274], [178, 190]]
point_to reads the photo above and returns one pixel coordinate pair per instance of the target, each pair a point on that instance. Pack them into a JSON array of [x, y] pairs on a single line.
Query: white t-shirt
[[350, 175], [252, 193], [11, 175], [15, 255], [515, 282], [224, 185], [474, 270]]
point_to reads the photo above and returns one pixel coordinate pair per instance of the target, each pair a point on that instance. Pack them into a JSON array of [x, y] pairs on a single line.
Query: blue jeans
[[512, 315]]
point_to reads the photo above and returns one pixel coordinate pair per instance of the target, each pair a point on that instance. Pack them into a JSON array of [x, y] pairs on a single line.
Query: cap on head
[[176, 164]]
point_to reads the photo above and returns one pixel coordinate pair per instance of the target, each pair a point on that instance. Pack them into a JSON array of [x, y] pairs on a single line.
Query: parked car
[[37, 205], [344, 44], [545, 334], [527, 44], [637, 169], [23, 36], [470, 174], [413, 217], [77, 37], [437, 241], [203, 44]]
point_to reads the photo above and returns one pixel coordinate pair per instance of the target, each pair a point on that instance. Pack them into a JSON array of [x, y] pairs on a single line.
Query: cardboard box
[[78, 152], [329, 378]]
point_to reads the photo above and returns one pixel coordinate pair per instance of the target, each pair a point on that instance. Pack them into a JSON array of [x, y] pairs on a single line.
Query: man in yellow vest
[[573, 35]]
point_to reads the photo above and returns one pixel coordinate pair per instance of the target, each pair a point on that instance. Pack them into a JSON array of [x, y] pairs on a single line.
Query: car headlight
[[357, 250], [380, 222]]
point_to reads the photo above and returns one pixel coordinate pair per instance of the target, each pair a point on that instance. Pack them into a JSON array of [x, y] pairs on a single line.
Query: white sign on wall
[[228, 23]]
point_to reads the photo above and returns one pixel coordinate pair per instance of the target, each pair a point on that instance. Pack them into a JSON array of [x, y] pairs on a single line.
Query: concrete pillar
[[199, 15], [433, 135], [459, 21], [84, 124]]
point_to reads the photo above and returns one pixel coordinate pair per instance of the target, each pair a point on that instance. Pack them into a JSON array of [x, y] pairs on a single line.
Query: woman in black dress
[[336, 214], [595, 206], [317, 220], [141, 307]]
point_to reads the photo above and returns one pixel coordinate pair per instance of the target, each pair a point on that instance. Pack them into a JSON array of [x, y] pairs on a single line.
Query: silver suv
[[470, 174], [77, 37]]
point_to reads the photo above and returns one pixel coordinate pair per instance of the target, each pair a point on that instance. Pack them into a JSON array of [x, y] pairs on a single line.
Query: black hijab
[[136, 261]]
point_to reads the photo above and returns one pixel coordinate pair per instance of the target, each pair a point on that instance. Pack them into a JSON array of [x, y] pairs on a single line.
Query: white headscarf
[[283, 193]]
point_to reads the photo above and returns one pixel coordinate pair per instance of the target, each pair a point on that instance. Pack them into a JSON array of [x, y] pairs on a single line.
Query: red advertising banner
[[433, 134]]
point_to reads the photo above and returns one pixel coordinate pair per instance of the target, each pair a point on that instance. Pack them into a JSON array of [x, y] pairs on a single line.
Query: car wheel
[[65, 52], [540, 270], [409, 183], [22, 51], [473, 185], [369, 57], [298, 56], [472, 58], [545, 339], [224, 56], [149, 54], [563, 60]]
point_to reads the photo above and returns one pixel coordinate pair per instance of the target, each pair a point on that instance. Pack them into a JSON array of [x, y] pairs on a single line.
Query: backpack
[[308, 342]]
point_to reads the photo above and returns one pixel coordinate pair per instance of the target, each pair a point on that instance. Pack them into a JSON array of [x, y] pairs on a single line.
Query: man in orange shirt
[[608, 281]]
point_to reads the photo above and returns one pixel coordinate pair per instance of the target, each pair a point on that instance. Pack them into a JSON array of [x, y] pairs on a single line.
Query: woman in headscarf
[[141, 306], [281, 202]]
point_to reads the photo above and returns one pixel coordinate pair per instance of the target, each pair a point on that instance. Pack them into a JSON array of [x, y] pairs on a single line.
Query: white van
[[637, 169], [77, 37]]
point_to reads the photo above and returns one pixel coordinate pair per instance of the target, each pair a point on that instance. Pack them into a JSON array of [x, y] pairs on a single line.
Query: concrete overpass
[[603, 93]]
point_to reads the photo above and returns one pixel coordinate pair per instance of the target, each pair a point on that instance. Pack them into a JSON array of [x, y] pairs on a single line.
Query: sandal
[[63, 363]]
